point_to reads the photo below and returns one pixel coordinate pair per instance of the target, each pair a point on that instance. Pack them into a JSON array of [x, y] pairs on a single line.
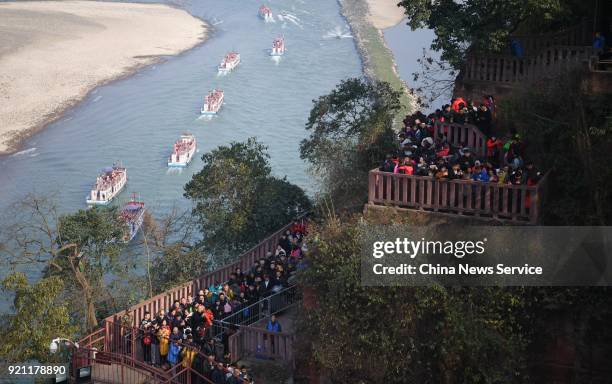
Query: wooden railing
[[460, 135], [517, 203], [164, 300], [578, 35], [262, 344], [506, 69]]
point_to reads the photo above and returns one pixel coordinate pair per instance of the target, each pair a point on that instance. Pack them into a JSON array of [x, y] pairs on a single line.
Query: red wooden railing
[[118, 343], [517, 203], [123, 368], [260, 343], [506, 69], [164, 300], [460, 135]]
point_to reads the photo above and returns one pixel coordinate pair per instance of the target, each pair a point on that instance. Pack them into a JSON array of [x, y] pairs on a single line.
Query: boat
[[212, 102], [278, 47], [108, 185], [230, 61], [183, 151], [132, 213], [266, 13]]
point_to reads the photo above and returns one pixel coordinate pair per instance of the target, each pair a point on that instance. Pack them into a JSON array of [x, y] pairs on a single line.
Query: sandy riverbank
[[384, 13], [52, 53]]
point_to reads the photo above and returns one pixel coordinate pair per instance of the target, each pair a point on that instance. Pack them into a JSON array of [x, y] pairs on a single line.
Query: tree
[[238, 201], [568, 132], [178, 264], [39, 315], [79, 248], [405, 334], [483, 24], [350, 132]]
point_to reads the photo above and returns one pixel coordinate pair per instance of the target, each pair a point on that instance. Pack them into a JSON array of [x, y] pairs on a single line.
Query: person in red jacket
[[298, 227], [406, 168], [444, 151], [457, 103], [494, 147]]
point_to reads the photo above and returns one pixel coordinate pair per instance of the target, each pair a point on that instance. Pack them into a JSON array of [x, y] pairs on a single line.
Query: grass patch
[[377, 58]]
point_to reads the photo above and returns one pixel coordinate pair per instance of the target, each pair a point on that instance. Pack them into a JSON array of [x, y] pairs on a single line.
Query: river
[[407, 47], [136, 120]]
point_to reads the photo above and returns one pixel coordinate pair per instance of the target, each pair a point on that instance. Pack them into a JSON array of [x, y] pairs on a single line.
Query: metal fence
[[273, 304]]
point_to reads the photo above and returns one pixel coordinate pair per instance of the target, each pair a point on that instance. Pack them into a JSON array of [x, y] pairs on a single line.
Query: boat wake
[[205, 117], [291, 18], [276, 59], [174, 171], [29, 151], [338, 33]]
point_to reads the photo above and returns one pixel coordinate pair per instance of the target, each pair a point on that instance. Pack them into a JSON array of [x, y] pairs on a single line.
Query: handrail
[[250, 341], [516, 203], [510, 70], [462, 135], [164, 300], [124, 346], [267, 306]]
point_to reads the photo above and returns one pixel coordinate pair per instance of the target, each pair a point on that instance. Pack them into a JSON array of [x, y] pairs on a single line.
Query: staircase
[[113, 353]]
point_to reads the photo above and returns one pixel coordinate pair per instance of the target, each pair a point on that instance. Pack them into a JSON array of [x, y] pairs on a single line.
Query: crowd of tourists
[[423, 153], [185, 334]]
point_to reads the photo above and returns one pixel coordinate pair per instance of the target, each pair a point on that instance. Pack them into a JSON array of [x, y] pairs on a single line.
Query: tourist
[[273, 325], [146, 337], [163, 336], [218, 374], [236, 377]]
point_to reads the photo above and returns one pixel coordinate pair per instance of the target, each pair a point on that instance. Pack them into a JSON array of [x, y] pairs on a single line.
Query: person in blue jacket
[[273, 325]]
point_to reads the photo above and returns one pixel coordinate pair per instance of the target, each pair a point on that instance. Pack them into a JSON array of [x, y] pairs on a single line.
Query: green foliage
[[237, 200], [350, 131], [95, 231], [89, 240], [484, 24], [569, 132], [78, 248], [38, 317], [177, 265], [405, 334]]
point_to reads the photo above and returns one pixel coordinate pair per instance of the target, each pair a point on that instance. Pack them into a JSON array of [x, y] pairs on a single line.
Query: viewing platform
[[541, 58], [511, 203]]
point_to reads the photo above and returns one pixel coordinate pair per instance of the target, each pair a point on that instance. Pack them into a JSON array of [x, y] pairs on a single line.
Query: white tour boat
[[278, 47], [183, 151], [230, 61], [212, 102], [266, 13], [108, 185]]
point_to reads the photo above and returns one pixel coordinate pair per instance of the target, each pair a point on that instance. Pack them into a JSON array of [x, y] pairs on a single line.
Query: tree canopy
[[350, 131], [80, 248], [39, 315], [405, 334], [484, 24], [237, 200]]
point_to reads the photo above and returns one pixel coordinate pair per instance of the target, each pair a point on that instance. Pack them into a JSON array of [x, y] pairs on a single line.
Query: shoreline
[[12, 141], [377, 59]]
